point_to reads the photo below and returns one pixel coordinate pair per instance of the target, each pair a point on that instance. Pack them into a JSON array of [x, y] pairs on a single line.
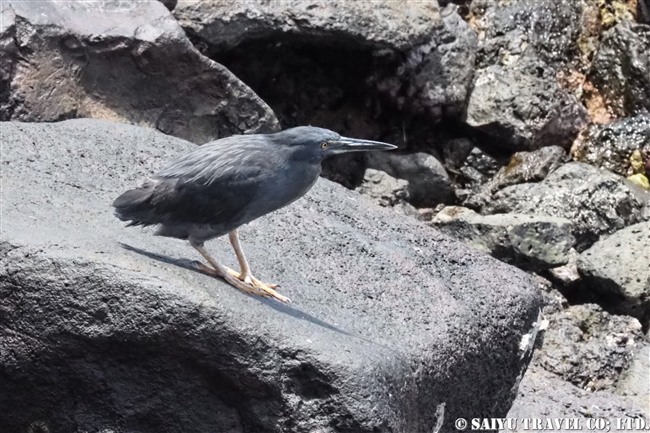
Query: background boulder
[[104, 327], [121, 61]]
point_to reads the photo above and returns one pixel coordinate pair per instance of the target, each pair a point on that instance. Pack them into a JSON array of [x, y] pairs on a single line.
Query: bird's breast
[[285, 187]]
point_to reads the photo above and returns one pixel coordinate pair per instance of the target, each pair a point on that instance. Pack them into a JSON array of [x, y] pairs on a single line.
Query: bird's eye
[[323, 145]]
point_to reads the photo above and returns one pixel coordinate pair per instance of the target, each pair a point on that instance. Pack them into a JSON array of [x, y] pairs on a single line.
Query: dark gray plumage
[[224, 184]]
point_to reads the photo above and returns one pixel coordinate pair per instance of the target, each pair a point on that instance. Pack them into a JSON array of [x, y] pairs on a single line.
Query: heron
[[220, 186]]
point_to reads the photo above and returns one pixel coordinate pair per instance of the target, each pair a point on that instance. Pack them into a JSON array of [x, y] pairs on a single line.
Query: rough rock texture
[[520, 105], [610, 146], [589, 347], [229, 23], [552, 28], [422, 59], [643, 11], [526, 241], [567, 277], [621, 68], [596, 201], [120, 61], [523, 167], [634, 382], [385, 189], [428, 182], [516, 98], [618, 267], [528, 167], [435, 76], [544, 395], [390, 318], [479, 166]]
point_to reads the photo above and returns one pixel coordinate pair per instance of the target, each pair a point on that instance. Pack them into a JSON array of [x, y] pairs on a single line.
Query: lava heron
[[229, 182]]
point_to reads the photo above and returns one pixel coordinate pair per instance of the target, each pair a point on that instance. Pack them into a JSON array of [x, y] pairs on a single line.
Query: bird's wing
[[211, 185]]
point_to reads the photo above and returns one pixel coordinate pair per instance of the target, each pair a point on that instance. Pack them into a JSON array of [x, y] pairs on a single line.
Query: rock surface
[[520, 106], [526, 241], [523, 167], [596, 201], [384, 24], [610, 146], [390, 318], [619, 268], [528, 167], [385, 189], [360, 68], [544, 395], [436, 76], [552, 28], [120, 61], [634, 382], [428, 182], [621, 68], [588, 346]]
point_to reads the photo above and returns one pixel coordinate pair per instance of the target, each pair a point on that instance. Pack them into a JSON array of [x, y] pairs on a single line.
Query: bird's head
[[318, 143]]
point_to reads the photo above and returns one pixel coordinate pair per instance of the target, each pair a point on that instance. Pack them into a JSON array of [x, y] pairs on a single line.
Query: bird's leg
[[245, 271], [223, 272]]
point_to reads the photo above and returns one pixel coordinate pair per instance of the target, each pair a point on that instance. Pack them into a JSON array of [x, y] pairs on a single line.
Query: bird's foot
[[265, 287], [250, 279], [249, 285]]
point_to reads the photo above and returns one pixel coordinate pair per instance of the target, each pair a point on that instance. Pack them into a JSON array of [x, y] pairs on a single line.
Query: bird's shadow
[[193, 265]]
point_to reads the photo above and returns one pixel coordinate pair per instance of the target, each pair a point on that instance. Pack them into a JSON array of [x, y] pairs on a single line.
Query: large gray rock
[[383, 188], [516, 98], [596, 201], [545, 396], [528, 167], [634, 382], [428, 182], [618, 267], [390, 318], [610, 146], [523, 167], [424, 58], [553, 28], [520, 105], [120, 61], [621, 68], [588, 346], [436, 76], [526, 241], [384, 24]]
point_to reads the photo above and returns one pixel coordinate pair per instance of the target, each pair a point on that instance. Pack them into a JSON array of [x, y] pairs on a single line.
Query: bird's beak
[[345, 144]]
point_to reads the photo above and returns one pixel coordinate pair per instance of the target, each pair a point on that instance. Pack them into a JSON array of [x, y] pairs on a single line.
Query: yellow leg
[[227, 274], [245, 271]]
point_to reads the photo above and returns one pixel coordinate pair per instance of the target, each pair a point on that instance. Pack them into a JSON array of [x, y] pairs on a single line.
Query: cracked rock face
[[610, 146], [619, 268], [229, 23], [520, 106], [104, 327], [544, 395], [428, 182], [526, 241], [596, 201], [589, 347], [621, 68], [121, 61], [634, 383]]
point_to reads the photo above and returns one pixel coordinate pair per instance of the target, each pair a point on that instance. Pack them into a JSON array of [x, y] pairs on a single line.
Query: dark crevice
[[331, 83]]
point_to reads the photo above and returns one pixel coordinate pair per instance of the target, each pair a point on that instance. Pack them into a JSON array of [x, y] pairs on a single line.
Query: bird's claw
[[249, 284], [251, 279]]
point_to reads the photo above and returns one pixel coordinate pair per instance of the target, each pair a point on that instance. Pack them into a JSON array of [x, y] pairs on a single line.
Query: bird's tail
[[133, 205]]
